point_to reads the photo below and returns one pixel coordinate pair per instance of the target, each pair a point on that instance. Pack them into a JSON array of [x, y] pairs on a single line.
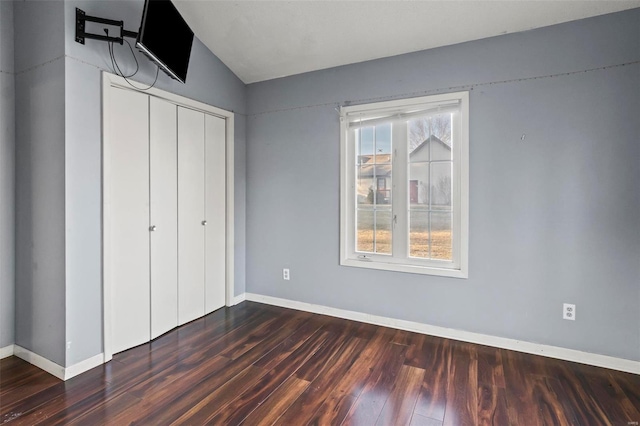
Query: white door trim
[[108, 81]]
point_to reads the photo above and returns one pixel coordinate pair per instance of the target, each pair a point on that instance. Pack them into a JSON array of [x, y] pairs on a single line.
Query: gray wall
[[208, 80], [40, 239], [553, 218], [7, 170]]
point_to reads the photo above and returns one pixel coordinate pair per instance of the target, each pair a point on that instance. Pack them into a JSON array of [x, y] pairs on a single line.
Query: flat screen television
[[165, 38]]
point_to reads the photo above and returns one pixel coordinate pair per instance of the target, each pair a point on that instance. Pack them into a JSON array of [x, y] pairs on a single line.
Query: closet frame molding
[[110, 81]]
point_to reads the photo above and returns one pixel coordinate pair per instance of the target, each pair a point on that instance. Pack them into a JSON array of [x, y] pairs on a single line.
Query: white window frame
[[398, 111]]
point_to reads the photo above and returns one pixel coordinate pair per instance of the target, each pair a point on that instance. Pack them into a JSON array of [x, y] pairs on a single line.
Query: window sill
[[411, 269]]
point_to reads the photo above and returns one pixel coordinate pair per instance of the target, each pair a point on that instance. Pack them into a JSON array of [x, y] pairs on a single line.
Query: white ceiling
[[261, 40]]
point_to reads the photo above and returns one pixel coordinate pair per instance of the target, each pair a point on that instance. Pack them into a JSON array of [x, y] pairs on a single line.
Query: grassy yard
[[419, 243], [418, 237]]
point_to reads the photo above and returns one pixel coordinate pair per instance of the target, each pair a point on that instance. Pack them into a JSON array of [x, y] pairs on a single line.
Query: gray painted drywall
[[208, 80], [7, 178], [553, 218], [40, 240]]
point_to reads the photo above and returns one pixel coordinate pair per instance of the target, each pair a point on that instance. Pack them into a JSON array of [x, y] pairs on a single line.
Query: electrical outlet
[[69, 345], [285, 274], [569, 311]]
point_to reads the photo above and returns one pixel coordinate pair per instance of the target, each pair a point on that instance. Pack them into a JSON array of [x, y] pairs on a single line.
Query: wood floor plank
[[141, 370], [19, 391], [490, 369], [277, 403], [630, 385], [462, 391], [492, 405], [554, 406], [354, 380], [417, 354], [64, 413], [432, 400], [304, 407], [13, 372], [196, 363], [346, 390], [318, 362], [520, 386], [291, 339], [261, 364], [56, 398], [402, 400], [378, 387], [235, 345], [207, 405], [107, 412], [418, 420], [195, 400], [188, 336], [573, 390], [177, 346], [615, 405], [220, 397], [249, 400]]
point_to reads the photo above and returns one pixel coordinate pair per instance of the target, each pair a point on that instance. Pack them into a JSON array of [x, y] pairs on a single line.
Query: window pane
[[440, 132], [417, 135], [364, 185], [364, 141], [441, 236], [383, 231], [374, 231], [383, 144], [441, 186], [419, 234], [419, 185], [383, 193], [365, 232]]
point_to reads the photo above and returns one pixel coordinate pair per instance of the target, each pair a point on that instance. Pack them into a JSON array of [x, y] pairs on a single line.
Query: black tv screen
[[165, 38]]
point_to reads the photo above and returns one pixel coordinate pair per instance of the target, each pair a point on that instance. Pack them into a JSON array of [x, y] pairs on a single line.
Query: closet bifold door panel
[[165, 216], [191, 215], [215, 209], [163, 219], [129, 212]]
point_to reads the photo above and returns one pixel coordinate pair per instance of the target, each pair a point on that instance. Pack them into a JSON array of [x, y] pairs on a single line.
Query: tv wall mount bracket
[[81, 35]]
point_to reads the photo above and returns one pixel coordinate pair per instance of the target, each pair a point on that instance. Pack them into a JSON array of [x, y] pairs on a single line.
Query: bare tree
[[442, 191], [421, 129]]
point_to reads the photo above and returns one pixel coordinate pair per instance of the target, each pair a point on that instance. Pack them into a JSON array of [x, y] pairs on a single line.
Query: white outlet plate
[[285, 274], [569, 311]]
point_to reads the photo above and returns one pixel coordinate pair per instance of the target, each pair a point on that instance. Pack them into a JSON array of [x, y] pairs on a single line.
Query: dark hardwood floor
[[256, 364]]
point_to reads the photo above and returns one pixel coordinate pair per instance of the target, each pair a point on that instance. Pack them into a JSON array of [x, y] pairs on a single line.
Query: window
[[404, 185]]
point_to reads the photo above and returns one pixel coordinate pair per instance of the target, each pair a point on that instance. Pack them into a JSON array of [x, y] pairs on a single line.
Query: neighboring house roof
[[371, 158], [426, 143], [381, 170], [380, 165], [371, 163]]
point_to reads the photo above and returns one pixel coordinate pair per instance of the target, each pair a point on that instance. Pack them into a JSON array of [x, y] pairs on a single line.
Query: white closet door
[[129, 226], [191, 158], [215, 208], [163, 158]]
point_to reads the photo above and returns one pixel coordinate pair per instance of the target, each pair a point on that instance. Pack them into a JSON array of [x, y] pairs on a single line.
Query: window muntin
[[404, 198]]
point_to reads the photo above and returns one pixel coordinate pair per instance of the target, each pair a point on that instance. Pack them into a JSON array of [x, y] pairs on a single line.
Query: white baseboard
[[237, 299], [83, 366], [557, 352], [7, 351], [54, 369], [39, 361]]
